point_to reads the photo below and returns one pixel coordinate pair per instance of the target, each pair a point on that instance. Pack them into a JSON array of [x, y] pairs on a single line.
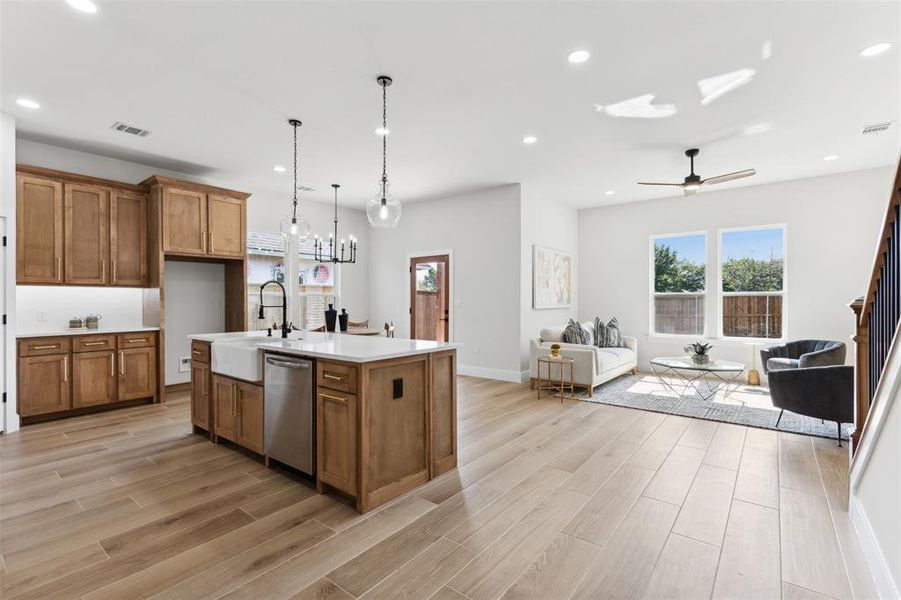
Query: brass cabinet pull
[[65, 369], [333, 398], [203, 241], [210, 234], [59, 268], [114, 271], [136, 340], [234, 400], [333, 377], [122, 364], [102, 269], [112, 364], [46, 347], [93, 343], [196, 352]]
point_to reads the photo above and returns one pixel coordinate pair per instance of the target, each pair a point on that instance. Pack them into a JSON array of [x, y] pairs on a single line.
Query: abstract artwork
[[551, 277]]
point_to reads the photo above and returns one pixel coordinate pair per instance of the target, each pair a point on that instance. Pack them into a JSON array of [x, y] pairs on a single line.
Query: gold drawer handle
[[93, 343], [48, 347], [333, 398], [333, 377], [196, 352], [136, 340]]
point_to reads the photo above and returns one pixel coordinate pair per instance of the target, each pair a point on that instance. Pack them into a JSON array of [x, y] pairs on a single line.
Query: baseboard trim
[[872, 554], [178, 387], [497, 374]]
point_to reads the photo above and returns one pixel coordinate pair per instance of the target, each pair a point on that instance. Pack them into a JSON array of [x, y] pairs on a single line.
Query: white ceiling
[[215, 81]]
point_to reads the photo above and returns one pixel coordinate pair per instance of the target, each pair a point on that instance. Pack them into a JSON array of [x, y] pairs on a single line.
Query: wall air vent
[[129, 129], [876, 128]]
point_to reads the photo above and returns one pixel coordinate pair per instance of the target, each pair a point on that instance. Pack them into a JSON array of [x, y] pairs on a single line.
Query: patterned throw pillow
[[576, 334], [608, 335]]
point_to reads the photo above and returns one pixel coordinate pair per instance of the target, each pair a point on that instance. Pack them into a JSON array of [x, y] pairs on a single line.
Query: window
[[678, 286], [752, 282]]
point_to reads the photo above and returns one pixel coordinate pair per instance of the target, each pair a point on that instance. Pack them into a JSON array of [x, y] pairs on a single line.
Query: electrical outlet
[[42, 316], [184, 364]]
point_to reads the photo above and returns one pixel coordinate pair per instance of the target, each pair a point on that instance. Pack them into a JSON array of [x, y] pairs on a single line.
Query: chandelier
[[298, 228], [383, 211], [345, 252]]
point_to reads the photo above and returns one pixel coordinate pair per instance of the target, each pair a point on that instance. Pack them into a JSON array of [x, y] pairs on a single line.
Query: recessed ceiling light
[[278, 169], [712, 88], [577, 57], [639, 107], [28, 103], [831, 157], [609, 192], [876, 49], [529, 139], [382, 131], [756, 129], [83, 5]]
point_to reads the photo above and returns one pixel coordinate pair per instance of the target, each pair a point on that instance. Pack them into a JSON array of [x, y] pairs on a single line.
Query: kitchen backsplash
[[48, 308]]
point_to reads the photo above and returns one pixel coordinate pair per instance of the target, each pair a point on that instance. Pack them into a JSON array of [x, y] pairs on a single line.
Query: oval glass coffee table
[[704, 379]]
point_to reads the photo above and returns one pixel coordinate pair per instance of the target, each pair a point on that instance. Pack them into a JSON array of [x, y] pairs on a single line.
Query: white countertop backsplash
[[338, 346]]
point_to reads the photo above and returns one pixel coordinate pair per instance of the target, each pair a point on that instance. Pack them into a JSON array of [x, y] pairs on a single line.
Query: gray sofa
[[821, 392], [801, 354]]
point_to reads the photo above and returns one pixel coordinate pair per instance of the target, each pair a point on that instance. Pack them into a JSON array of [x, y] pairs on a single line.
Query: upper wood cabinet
[[39, 230], [200, 220], [128, 238], [87, 228]]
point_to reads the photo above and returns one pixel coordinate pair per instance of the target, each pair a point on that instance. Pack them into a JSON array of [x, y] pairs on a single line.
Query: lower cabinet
[[93, 378], [137, 373], [200, 395], [336, 431], [44, 384], [238, 412]]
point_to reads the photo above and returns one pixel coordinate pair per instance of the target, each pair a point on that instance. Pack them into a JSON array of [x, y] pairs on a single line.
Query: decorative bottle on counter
[[330, 316], [342, 319]]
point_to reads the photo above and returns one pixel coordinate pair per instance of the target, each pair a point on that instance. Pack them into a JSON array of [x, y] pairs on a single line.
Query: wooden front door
[[87, 234], [430, 298]]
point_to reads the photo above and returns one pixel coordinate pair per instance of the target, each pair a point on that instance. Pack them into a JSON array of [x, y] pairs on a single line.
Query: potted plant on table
[[700, 353]]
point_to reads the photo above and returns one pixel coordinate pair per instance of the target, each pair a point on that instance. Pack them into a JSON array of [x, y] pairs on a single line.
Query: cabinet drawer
[[336, 376], [42, 346], [91, 343], [200, 352], [136, 340]]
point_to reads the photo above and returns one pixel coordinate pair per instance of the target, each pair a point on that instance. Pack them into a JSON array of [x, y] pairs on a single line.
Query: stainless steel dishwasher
[[289, 412]]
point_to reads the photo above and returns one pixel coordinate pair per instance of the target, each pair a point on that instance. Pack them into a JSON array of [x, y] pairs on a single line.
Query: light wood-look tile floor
[[550, 501]]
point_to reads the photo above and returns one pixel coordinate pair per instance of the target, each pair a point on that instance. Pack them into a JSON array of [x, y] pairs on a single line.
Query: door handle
[[45, 347], [333, 377], [102, 269], [65, 369], [288, 364], [59, 268], [210, 235], [114, 271], [93, 343], [112, 363], [122, 364], [136, 340], [333, 398]]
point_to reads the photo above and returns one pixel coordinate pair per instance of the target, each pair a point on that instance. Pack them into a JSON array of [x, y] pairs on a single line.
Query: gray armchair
[[820, 392], [801, 354]]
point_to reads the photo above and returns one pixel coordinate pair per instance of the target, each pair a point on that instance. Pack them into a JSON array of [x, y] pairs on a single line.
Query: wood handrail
[[876, 316]]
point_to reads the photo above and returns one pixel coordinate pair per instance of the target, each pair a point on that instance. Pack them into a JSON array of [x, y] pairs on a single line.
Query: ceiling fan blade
[[729, 177], [655, 183]]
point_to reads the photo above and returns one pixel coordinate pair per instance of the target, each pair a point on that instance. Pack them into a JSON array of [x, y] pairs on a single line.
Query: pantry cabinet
[[39, 230]]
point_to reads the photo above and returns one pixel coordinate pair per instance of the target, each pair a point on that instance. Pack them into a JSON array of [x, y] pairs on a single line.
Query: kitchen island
[[384, 409]]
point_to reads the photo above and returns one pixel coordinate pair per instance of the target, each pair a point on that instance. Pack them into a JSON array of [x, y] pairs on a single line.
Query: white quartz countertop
[[83, 331], [338, 346]]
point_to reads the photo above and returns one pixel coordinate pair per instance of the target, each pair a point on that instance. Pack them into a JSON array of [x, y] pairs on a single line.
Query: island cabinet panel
[[250, 416], [337, 376], [43, 385], [137, 373], [200, 395], [93, 343], [227, 226], [87, 234], [443, 411], [395, 429], [94, 378], [336, 440], [128, 238], [184, 221], [225, 412], [39, 230]]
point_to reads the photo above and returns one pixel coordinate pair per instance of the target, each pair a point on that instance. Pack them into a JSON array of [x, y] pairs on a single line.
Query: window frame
[[653, 293], [721, 295]]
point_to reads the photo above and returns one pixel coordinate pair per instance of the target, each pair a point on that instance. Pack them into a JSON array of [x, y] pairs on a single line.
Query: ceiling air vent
[[302, 187], [876, 128], [130, 129]]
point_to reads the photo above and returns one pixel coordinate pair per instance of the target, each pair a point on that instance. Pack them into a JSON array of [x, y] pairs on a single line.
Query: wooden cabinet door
[[137, 373], [227, 226], [93, 378], [128, 238], [225, 407], [337, 440], [44, 384], [200, 395], [443, 411], [87, 234], [250, 417], [39, 230], [184, 221]]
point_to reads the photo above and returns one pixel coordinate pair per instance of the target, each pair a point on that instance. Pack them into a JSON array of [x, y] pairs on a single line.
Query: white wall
[[544, 222], [119, 307], [482, 229], [832, 226], [9, 421], [195, 303]]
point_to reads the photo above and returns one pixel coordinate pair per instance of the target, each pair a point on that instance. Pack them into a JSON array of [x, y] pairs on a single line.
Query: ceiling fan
[[694, 182]]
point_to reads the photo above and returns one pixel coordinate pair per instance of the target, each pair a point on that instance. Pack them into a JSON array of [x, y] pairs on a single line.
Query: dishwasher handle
[[288, 363]]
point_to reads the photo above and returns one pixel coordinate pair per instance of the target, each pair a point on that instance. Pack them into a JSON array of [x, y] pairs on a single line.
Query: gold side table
[[561, 386]]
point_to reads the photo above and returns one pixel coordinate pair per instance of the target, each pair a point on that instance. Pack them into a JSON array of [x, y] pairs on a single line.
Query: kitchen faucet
[[284, 306]]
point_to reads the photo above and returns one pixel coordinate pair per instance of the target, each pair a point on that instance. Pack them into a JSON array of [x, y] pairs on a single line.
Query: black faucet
[[286, 327]]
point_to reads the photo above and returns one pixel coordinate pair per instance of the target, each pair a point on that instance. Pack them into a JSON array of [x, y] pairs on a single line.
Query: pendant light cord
[[294, 213], [384, 138]]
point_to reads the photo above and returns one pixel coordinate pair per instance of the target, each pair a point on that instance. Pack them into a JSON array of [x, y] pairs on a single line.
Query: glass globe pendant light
[[296, 227], [383, 211]]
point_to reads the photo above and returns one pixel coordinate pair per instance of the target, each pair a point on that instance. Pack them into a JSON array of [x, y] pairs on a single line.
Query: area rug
[[747, 405]]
